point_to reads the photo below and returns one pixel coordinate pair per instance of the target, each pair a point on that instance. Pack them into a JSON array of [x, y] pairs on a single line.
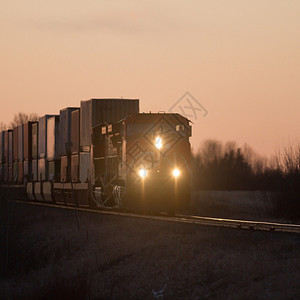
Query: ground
[[58, 254], [245, 205]]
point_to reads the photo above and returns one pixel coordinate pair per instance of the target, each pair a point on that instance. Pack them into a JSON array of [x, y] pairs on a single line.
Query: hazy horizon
[[239, 59]]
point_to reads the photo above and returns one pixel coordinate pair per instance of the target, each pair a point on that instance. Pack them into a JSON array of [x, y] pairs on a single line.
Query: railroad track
[[187, 219], [242, 224]]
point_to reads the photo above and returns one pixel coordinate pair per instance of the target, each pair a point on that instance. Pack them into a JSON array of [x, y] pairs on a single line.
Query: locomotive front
[[146, 162]]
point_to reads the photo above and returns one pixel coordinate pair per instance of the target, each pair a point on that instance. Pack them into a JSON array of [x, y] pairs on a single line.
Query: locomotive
[[104, 153]]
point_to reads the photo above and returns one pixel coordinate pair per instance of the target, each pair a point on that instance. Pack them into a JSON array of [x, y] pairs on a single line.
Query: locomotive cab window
[[180, 127], [182, 130]]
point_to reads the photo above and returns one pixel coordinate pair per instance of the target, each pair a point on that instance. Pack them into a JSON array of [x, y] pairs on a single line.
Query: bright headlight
[[142, 173], [158, 142], [176, 172]]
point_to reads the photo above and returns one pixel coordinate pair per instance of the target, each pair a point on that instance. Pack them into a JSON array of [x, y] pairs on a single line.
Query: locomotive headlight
[[176, 173], [142, 173], [158, 142]]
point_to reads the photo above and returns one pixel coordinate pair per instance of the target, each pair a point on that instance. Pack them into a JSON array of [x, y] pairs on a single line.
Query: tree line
[[19, 119], [227, 166]]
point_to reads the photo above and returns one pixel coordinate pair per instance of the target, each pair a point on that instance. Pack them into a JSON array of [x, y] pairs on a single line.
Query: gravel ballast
[[52, 253]]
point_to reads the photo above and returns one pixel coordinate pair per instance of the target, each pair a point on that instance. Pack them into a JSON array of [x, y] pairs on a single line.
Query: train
[[104, 153]]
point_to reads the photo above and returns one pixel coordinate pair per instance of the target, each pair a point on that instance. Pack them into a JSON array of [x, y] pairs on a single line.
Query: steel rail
[[187, 219], [246, 224]]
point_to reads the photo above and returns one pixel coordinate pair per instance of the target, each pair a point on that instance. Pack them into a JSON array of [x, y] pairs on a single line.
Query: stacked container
[[15, 154], [42, 148], [80, 161], [27, 163], [21, 153], [65, 126], [1, 156], [75, 145], [53, 157], [6, 156], [34, 140], [10, 155], [94, 112]]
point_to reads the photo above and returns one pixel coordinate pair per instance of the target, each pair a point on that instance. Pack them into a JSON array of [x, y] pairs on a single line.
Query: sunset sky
[[239, 59]]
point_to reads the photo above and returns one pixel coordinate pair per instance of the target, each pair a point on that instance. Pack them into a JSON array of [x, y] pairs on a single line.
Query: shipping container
[[65, 169], [53, 138], [75, 168], [15, 144], [2, 133], [37, 186], [54, 170], [15, 171], [10, 173], [96, 111], [75, 132], [28, 170], [6, 146], [20, 172], [5, 172], [30, 191], [34, 169], [1, 172], [35, 138], [20, 142], [47, 191], [81, 167], [42, 140], [10, 147], [42, 169], [65, 125], [28, 140]]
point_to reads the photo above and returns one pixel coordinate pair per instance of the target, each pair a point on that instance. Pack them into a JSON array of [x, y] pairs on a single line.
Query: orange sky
[[239, 59]]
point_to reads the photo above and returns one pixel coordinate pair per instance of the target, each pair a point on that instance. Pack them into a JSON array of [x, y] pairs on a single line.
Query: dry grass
[[122, 258], [250, 205]]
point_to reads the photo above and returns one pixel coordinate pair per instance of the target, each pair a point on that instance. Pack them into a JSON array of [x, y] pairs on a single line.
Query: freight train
[[104, 153]]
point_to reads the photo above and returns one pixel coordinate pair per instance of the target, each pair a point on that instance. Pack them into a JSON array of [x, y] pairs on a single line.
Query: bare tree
[[287, 162], [211, 150], [22, 118], [229, 146], [19, 118], [2, 126], [287, 158], [258, 162]]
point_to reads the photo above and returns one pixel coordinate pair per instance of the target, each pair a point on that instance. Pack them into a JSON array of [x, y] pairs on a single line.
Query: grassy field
[[250, 205], [48, 256]]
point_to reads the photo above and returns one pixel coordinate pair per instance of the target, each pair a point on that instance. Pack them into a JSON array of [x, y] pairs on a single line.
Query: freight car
[[104, 153]]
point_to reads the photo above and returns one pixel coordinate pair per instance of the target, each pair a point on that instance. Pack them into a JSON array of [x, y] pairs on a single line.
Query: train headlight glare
[[158, 142], [176, 172], [142, 173]]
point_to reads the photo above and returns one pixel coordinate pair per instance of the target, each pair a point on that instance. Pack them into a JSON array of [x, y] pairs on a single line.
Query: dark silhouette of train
[[104, 154]]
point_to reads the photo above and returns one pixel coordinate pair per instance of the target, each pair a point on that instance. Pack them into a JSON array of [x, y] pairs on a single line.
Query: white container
[[42, 169], [35, 170], [81, 167], [65, 125], [53, 138], [84, 166], [42, 139]]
